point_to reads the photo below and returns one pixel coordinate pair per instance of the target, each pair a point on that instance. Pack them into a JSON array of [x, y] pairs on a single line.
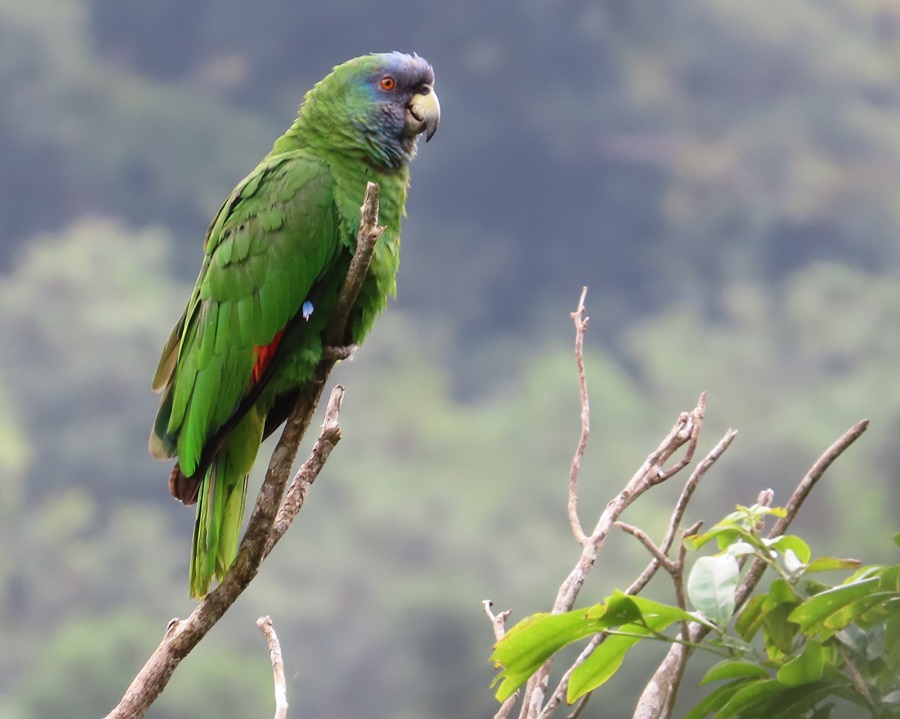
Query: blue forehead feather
[[405, 65]]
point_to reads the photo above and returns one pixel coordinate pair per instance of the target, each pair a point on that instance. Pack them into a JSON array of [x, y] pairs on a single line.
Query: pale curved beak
[[423, 113]]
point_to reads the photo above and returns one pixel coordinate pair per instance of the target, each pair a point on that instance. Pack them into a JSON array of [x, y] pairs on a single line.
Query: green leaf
[[535, 639], [830, 564], [864, 610], [890, 579], [796, 702], [648, 608], [812, 614], [750, 618], [775, 608], [740, 548], [711, 586], [752, 694], [737, 645], [805, 668], [731, 669], [618, 609], [728, 533], [779, 631], [716, 700], [790, 542], [531, 642], [608, 657], [781, 592]]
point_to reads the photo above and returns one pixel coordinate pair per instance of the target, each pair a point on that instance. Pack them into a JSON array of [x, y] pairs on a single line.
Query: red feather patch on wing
[[263, 356]]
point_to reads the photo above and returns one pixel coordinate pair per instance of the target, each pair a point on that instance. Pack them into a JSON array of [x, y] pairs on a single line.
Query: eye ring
[[388, 82]]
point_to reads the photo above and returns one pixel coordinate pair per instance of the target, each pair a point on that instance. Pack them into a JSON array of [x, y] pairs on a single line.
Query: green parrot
[[276, 255]]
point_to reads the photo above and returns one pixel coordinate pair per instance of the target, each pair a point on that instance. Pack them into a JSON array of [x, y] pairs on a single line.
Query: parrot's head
[[378, 104]]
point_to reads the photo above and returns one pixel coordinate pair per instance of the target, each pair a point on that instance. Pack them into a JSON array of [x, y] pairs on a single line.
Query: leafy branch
[[715, 585], [271, 517]]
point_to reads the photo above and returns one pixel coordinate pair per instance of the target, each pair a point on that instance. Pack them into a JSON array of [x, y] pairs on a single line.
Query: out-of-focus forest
[[723, 175]]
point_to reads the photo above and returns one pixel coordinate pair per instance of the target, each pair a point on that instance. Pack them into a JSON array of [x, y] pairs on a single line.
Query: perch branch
[[281, 702], [182, 636]]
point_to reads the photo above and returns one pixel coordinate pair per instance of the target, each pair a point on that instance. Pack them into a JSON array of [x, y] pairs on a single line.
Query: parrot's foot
[[339, 353]]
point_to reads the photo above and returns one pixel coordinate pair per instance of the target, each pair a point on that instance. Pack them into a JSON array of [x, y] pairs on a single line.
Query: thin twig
[[556, 698], [698, 413], [815, 473], [581, 705], [680, 507], [644, 539], [182, 636], [281, 702], [798, 496], [581, 323], [498, 621], [678, 577], [306, 475], [507, 706], [691, 485]]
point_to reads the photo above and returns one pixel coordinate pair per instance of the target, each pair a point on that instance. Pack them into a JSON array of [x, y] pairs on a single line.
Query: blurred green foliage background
[[723, 175]]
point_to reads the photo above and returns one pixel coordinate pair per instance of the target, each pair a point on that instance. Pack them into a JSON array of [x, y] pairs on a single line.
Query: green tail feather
[[220, 506], [220, 515]]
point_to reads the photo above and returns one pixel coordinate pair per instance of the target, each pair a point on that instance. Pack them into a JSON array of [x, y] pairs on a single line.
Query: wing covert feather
[[273, 238]]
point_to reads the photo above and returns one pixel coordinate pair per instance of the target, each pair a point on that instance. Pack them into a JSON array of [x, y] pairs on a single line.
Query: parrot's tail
[[220, 504], [220, 513]]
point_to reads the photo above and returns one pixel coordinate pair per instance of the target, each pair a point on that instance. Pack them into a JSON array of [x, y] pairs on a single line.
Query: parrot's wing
[[271, 240]]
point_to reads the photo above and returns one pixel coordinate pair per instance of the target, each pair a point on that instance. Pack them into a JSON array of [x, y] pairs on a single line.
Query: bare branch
[[498, 621], [281, 702], [556, 698], [799, 495], [506, 707], [581, 323], [650, 474], [691, 485], [815, 473], [644, 479], [183, 635], [699, 413], [581, 705], [366, 238], [644, 539], [306, 475], [680, 507]]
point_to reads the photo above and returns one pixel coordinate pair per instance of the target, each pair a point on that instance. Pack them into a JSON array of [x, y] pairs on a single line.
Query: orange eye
[[388, 83]]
